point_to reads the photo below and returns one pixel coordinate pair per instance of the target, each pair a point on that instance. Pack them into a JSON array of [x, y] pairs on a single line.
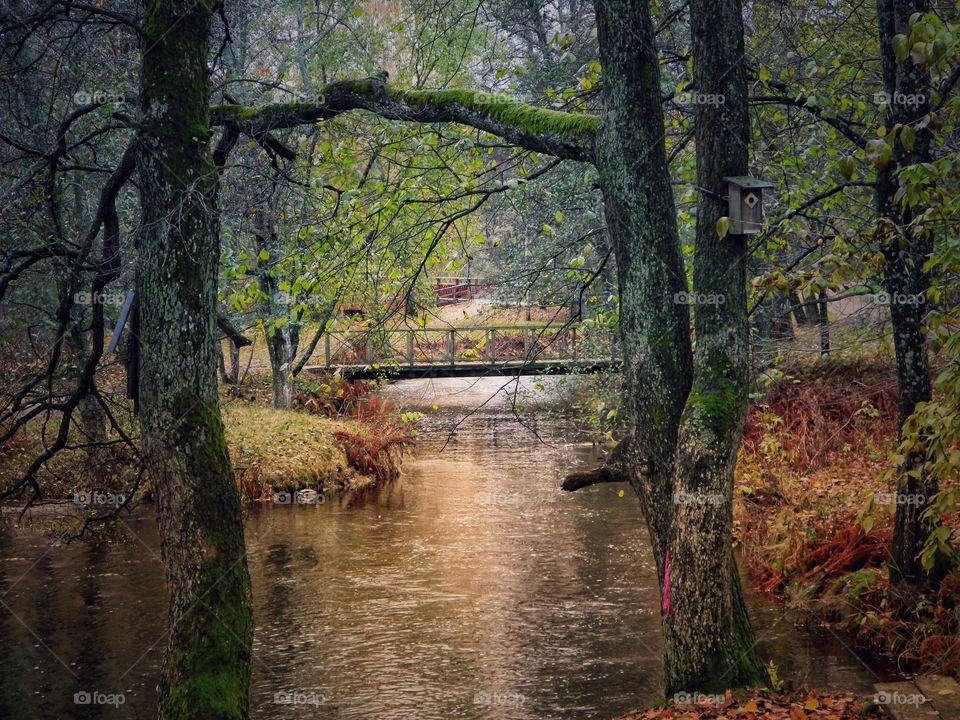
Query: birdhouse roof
[[745, 181]]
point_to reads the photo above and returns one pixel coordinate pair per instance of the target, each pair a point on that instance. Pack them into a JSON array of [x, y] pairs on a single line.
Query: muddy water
[[471, 588]]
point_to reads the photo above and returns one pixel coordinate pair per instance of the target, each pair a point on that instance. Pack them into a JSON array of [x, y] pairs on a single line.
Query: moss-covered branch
[[565, 135]]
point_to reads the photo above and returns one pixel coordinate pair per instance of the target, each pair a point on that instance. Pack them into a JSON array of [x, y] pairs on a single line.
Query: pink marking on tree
[[665, 603]]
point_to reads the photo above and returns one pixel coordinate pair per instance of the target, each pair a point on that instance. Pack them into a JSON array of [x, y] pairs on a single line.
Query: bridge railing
[[464, 345]]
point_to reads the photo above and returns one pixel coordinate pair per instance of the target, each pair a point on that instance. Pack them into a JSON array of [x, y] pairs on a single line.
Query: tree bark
[[907, 86], [710, 645], [682, 441], [641, 219], [206, 666], [281, 333]]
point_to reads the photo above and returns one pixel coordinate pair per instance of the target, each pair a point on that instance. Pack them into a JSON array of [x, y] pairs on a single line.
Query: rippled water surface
[[471, 588]]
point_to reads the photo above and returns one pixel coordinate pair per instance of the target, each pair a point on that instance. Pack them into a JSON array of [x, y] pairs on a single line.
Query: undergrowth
[[814, 511]]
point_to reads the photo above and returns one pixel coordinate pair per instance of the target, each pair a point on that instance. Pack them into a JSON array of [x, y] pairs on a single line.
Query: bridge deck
[[508, 368]]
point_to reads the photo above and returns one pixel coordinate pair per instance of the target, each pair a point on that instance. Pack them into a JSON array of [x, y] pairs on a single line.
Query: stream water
[[471, 588]]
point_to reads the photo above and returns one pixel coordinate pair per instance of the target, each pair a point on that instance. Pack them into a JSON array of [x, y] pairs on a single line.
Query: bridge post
[[573, 343], [368, 349], [527, 337], [410, 347], [451, 346]]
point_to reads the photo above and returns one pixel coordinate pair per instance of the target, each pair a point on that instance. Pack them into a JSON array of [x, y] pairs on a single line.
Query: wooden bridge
[[452, 290], [466, 351]]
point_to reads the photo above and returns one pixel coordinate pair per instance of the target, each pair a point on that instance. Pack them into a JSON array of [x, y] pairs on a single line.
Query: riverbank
[[814, 499], [813, 512], [339, 438]]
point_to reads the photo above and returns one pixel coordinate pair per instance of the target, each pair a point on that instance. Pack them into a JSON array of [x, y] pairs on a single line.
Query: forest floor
[[801, 704], [813, 511]]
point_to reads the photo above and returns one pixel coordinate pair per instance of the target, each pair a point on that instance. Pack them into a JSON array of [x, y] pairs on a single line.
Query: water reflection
[[471, 588]]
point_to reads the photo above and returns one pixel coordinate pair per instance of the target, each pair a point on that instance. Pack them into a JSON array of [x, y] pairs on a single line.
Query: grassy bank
[[337, 439]]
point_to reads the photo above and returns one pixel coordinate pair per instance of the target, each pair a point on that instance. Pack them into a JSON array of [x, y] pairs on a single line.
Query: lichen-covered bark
[[206, 666], [905, 253], [709, 642], [641, 220]]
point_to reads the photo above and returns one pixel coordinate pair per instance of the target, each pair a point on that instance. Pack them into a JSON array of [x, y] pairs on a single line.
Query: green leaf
[[723, 226]]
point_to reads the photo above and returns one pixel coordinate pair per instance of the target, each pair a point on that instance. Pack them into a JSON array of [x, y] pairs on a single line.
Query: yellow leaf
[[811, 704], [751, 707]]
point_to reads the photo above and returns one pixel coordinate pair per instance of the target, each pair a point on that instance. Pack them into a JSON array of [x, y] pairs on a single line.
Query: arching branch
[[565, 135]]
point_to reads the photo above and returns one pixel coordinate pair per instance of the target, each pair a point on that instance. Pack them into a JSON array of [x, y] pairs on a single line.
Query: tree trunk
[[206, 666], [281, 332], [799, 309], [710, 644], [907, 87], [811, 309], [823, 323], [708, 640], [641, 219], [781, 328]]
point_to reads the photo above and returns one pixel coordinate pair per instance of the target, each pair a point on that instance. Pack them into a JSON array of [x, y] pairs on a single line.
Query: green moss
[[205, 671], [503, 108], [500, 107]]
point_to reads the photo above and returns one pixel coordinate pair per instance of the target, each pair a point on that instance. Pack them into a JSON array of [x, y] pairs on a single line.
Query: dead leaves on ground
[[764, 705]]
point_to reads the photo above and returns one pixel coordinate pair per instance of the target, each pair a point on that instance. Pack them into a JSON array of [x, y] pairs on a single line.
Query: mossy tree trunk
[[710, 645], [641, 221], [206, 666], [907, 86], [687, 411]]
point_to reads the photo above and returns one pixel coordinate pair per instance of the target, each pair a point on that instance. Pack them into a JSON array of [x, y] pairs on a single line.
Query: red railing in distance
[[451, 290]]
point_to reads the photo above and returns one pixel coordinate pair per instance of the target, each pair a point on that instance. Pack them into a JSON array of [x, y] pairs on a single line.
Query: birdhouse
[[745, 201]]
